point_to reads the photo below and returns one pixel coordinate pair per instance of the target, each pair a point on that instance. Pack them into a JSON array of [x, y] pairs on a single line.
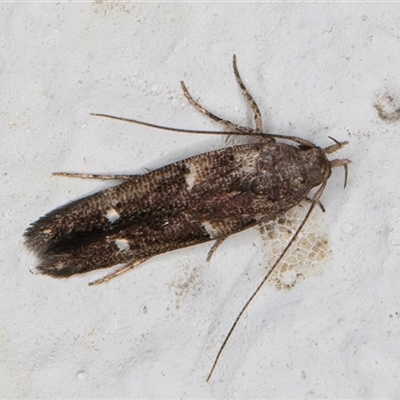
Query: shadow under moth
[[203, 198]]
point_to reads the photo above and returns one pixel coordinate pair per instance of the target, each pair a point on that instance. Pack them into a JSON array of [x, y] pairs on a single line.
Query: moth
[[204, 198]]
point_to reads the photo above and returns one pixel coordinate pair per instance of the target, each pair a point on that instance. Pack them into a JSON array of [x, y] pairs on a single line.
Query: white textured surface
[[315, 70]]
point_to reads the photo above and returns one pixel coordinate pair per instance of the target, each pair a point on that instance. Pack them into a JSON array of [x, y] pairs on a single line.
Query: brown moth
[[203, 198]]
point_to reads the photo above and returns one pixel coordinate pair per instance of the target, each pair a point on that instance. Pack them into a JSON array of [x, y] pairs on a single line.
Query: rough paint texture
[[203, 198]]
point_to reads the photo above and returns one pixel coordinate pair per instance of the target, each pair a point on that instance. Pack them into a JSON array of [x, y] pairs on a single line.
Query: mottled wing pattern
[[202, 198]]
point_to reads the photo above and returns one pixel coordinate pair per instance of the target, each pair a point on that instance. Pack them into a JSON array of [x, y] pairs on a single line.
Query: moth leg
[[214, 247], [118, 272], [95, 176], [321, 206], [250, 101], [229, 125]]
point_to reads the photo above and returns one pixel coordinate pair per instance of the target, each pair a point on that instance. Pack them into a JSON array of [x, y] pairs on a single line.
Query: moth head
[[317, 166]]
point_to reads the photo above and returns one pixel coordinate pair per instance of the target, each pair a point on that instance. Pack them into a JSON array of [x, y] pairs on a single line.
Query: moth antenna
[[262, 135], [179, 130], [315, 202], [117, 272], [214, 247]]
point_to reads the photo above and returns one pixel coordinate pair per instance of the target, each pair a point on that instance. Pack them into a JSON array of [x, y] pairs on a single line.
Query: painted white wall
[[315, 70]]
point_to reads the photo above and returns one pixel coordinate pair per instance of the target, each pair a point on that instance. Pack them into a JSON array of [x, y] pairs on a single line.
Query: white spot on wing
[[247, 163], [112, 215], [191, 177], [122, 244], [212, 232]]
